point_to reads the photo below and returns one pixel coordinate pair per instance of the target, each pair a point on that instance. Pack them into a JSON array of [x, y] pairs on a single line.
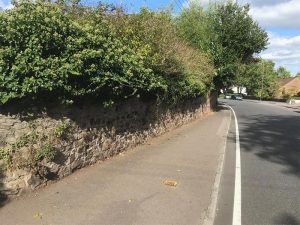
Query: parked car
[[227, 96], [237, 97]]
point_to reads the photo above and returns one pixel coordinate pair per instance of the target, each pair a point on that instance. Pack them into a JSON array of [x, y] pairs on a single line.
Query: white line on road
[[211, 211], [237, 204]]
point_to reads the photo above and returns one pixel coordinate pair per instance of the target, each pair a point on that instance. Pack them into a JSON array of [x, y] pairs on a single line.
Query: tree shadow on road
[[273, 138], [286, 218]]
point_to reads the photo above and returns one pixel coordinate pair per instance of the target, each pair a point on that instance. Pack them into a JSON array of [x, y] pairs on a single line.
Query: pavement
[[129, 189], [283, 105], [270, 165]]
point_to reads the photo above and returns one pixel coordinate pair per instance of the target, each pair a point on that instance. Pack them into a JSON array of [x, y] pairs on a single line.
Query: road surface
[[270, 165]]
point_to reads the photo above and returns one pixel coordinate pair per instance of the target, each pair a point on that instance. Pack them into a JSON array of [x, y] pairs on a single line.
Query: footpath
[[283, 105], [133, 188]]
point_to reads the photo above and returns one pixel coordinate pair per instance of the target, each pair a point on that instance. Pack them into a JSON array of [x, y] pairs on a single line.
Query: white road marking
[[211, 211], [237, 204]]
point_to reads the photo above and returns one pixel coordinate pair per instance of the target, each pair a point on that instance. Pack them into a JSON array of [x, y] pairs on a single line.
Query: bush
[[75, 54], [185, 71], [34, 59]]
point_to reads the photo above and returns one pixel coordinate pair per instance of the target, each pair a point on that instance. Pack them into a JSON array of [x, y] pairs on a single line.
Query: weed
[[47, 151], [5, 157], [62, 130], [25, 140], [22, 142]]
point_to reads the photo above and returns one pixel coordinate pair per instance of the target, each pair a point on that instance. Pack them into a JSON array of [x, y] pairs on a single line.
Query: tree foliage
[[75, 53], [239, 38], [194, 26], [226, 33], [283, 73], [186, 71], [66, 51], [260, 78]]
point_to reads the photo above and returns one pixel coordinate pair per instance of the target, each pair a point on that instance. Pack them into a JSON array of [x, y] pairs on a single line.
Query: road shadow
[[273, 138], [286, 218]]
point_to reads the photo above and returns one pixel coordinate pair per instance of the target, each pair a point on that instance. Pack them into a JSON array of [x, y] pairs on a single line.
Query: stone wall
[[41, 145]]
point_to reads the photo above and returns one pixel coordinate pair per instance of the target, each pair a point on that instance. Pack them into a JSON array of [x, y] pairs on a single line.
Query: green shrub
[[47, 151], [5, 157], [35, 42], [62, 130], [44, 52], [185, 71], [25, 140], [74, 54]]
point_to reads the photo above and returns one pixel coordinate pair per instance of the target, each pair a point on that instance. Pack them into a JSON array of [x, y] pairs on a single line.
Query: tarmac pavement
[[129, 189]]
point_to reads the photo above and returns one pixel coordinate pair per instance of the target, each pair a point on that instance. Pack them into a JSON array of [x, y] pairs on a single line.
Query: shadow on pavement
[[286, 218], [3, 196], [273, 138], [221, 106]]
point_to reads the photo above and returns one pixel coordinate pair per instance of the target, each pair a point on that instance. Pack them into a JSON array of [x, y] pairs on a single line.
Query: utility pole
[[262, 81]]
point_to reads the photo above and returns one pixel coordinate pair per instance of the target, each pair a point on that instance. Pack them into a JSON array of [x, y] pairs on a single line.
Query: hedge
[[72, 54]]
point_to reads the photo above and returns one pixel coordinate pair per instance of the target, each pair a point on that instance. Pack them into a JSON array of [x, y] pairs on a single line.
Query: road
[[129, 189], [270, 165]]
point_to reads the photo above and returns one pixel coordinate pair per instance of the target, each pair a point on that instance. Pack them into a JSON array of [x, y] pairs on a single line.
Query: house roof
[[286, 80]]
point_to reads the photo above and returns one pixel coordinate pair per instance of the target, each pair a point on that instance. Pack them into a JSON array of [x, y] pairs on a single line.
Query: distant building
[[239, 90], [289, 87], [236, 90]]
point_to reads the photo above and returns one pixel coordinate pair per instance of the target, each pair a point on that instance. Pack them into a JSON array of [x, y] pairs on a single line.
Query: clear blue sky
[[135, 5]]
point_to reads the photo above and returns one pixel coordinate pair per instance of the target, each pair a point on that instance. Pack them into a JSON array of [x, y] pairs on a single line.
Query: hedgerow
[[77, 53]]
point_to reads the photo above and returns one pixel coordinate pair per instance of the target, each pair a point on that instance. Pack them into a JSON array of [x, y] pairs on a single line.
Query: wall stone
[[96, 133]]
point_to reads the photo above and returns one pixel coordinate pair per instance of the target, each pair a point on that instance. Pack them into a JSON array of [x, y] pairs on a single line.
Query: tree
[[282, 73], [193, 26], [239, 37], [260, 78]]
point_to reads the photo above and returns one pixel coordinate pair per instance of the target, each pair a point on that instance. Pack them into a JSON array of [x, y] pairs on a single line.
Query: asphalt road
[[270, 165]]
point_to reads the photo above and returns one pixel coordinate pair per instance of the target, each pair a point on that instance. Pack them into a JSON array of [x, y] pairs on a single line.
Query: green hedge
[[79, 53]]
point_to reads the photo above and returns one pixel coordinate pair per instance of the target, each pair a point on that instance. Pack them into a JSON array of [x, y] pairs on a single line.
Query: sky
[[280, 18]]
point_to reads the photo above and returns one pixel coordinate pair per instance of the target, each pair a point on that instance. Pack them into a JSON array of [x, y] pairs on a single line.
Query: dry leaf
[[38, 216], [170, 182]]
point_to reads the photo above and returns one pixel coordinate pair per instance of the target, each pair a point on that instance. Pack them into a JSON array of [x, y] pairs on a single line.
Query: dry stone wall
[[42, 145]]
